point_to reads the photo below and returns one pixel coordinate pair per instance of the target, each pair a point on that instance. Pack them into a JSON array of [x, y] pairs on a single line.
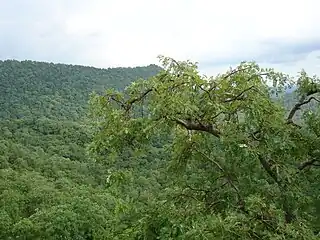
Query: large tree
[[247, 166]]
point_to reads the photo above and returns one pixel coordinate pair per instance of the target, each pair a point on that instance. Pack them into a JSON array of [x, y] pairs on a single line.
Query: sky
[[283, 34]]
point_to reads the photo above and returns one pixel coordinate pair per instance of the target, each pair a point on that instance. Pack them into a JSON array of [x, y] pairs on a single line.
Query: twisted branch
[[298, 106]]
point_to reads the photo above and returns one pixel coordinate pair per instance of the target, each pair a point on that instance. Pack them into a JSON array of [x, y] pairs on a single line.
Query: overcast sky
[[284, 34]]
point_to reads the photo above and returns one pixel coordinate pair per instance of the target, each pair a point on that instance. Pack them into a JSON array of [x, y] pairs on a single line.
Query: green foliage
[[60, 91], [247, 169], [171, 155], [49, 187]]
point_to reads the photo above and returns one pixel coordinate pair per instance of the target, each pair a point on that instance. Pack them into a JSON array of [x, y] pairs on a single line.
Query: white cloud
[[107, 33]]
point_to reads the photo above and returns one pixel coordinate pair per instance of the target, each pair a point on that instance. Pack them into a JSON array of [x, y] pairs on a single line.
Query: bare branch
[[211, 160], [176, 62], [235, 71], [137, 99], [128, 105], [239, 96], [255, 135], [258, 75], [207, 92], [218, 114], [117, 101], [312, 91], [190, 125], [268, 169], [308, 163], [298, 106]]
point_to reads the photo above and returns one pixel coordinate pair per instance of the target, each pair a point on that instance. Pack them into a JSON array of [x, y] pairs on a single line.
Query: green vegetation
[[161, 154], [57, 91], [49, 187]]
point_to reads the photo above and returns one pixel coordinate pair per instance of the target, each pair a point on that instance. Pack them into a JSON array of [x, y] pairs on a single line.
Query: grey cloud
[[218, 62], [35, 30], [278, 52], [302, 46], [289, 51]]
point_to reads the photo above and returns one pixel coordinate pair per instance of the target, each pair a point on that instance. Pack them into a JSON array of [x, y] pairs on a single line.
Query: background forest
[[91, 153]]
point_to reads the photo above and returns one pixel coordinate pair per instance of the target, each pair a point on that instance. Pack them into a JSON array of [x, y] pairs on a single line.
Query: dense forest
[[157, 153], [49, 187]]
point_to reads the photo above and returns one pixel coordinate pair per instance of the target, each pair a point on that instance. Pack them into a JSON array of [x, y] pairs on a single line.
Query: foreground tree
[[247, 168]]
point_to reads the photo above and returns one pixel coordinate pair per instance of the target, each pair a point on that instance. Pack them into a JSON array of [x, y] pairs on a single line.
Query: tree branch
[[258, 75], [235, 71], [117, 101], [305, 164], [268, 169], [229, 180], [289, 215], [130, 102], [207, 92], [197, 190], [298, 106], [190, 125], [239, 96]]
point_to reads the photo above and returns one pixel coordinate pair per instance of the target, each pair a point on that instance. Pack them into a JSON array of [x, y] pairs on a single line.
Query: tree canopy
[[49, 187], [247, 168], [60, 91]]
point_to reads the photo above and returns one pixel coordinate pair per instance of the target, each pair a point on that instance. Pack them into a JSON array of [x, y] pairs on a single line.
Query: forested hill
[[212, 159], [39, 89], [49, 188]]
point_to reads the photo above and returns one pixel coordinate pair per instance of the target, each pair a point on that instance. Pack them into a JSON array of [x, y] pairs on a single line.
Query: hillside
[[123, 174], [39, 89], [46, 177]]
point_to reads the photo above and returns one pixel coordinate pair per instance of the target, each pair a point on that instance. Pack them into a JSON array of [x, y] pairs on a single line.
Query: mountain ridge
[[57, 88]]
